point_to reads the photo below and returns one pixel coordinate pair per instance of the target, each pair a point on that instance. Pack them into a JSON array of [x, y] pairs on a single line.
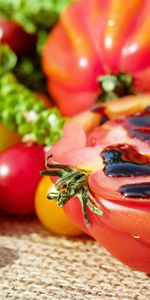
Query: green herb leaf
[[22, 112], [8, 59], [33, 15]]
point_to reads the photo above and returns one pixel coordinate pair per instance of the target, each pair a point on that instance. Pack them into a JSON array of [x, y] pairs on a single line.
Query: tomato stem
[[114, 86], [72, 183]]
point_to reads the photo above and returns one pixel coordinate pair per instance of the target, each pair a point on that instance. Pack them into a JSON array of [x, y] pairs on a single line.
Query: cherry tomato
[[95, 38], [112, 177], [51, 216], [20, 166], [14, 35], [8, 138]]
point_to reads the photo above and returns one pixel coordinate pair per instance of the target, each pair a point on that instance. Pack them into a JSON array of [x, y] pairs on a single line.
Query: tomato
[[7, 138], [20, 166], [51, 216], [107, 184], [95, 38], [14, 35]]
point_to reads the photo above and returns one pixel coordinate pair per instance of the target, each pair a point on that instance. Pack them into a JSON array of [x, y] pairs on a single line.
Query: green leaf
[[22, 112], [33, 15], [8, 59]]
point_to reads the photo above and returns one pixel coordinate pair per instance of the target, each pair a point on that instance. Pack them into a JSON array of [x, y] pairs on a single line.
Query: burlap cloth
[[35, 265]]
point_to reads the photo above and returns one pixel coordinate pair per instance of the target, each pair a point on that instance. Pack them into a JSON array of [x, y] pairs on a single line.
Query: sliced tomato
[[124, 106], [119, 131], [115, 159]]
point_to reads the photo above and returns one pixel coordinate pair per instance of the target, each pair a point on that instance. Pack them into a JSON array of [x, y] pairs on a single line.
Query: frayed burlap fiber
[[36, 265]]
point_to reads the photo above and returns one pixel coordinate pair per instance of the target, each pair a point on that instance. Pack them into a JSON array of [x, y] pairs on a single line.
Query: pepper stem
[[114, 86], [72, 183]]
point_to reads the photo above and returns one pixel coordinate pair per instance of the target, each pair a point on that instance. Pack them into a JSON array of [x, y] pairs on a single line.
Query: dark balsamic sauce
[[141, 121], [139, 125], [101, 111], [104, 119], [140, 190], [142, 134], [124, 161]]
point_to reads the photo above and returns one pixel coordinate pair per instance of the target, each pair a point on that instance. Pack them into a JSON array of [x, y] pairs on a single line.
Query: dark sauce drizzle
[[101, 111], [125, 161], [139, 125], [140, 190]]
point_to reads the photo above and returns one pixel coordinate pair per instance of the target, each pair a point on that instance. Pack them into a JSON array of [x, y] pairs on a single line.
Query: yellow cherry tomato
[[8, 138], [50, 215]]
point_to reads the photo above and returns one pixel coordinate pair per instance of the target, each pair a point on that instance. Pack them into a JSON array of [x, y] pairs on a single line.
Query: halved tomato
[[107, 184]]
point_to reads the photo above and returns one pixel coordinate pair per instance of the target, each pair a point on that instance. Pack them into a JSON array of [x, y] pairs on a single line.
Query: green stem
[[72, 183], [114, 86]]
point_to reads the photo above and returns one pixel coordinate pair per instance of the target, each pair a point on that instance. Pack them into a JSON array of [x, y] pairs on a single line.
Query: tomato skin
[[20, 166], [50, 215], [15, 36], [92, 38]]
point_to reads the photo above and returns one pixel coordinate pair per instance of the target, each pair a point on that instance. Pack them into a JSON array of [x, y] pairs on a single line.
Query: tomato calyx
[[72, 183], [114, 86]]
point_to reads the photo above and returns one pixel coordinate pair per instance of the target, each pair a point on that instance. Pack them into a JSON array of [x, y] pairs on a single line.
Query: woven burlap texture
[[36, 265]]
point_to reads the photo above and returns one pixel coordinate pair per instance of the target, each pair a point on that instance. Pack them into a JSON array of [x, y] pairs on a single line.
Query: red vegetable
[[14, 35], [107, 183], [19, 176], [94, 38]]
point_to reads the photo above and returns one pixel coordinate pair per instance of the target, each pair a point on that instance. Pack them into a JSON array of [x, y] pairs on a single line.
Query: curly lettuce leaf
[[33, 15]]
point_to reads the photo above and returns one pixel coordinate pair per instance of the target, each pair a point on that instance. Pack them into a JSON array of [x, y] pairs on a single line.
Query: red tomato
[[14, 35], [116, 172], [19, 176], [93, 38]]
